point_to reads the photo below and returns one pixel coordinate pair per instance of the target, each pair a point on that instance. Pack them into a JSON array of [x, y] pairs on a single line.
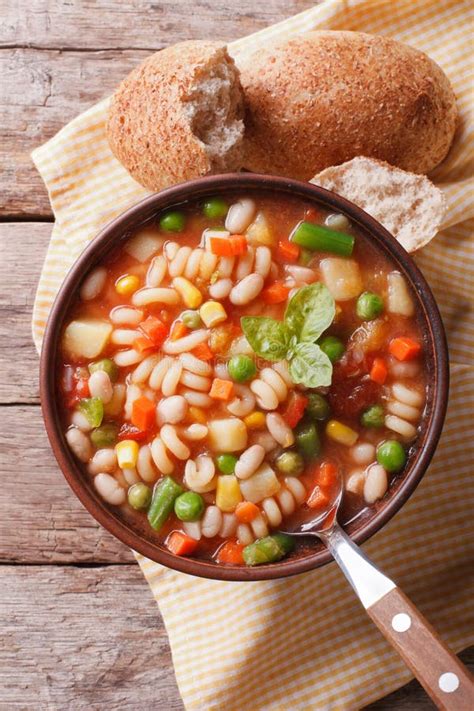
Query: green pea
[[391, 455], [317, 407], [139, 496], [332, 346], [104, 436], [93, 409], [215, 207], [191, 319], [305, 257], [369, 306], [107, 365], [307, 439], [241, 368], [290, 463], [226, 463], [189, 506], [172, 221], [373, 417]]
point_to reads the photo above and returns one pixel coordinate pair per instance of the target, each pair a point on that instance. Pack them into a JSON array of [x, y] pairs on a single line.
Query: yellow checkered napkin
[[305, 642]]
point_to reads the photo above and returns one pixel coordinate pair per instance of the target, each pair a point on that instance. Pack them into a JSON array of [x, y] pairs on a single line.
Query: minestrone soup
[[231, 361]]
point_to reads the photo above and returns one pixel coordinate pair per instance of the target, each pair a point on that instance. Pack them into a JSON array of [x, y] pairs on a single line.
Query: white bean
[[301, 275], [192, 529], [177, 266], [93, 284], [145, 464], [143, 371], [266, 440], [221, 288], [158, 373], [197, 399], [211, 522], [225, 266], [409, 396], [207, 265], [221, 370], [282, 369], [199, 474], [171, 250], [336, 221], [155, 295], [79, 420], [363, 453], [109, 489], [195, 382], [133, 393], [104, 460], [276, 382], [376, 483], [246, 290], [124, 336], [156, 271], [272, 511], [240, 215], [355, 482], [114, 407], [263, 261], [171, 379], [195, 432], [193, 263], [187, 343], [406, 412], [399, 299], [172, 410], [403, 370], [129, 357], [195, 365], [297, 488], [266, 396], [401, 427], [245, 264], [79, 443], [229, 525], [279, 430], [244, 534], [170, 439], [259, 527], [130, 476], [101, 386], [243, 403], [249, 461], [160, 456], [286, 501], [126, 316]]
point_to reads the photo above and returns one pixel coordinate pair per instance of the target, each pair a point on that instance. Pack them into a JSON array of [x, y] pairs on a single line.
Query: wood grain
[[82, 639]]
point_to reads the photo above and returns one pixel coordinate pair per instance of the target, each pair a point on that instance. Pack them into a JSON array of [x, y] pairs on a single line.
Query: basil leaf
[[310, 366], [268, 338], [310, 312]]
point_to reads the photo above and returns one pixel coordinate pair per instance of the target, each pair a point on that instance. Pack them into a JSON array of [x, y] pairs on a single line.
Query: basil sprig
[[309, 313]]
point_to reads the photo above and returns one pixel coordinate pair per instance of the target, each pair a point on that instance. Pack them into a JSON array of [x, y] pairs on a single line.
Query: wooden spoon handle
[[440, 672]]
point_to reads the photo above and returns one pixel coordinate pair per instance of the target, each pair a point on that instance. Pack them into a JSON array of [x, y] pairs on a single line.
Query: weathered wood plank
[[41, 520], [22, 250], [78, 638], [139, 24]]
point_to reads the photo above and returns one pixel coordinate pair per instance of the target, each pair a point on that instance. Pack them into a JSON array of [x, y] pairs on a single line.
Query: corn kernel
[[191, 296], [341, 433], [127, 285], [255, 421], [197, 415], [228, 493], [212, 313], [127, 453]]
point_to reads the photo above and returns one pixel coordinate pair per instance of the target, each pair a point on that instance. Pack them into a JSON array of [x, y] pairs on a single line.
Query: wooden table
[[80, 627]]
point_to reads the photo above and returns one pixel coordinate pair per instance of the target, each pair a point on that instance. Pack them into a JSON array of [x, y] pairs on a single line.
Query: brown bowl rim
[[196, 189]]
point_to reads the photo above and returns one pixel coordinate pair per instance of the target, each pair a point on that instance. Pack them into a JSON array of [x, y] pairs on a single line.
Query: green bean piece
[[172, 221], [107, 365], [373, 417], [369, 306], [307, 439], [268, 550], [322, 239], [215, 207], [241, 368], [93, 409], [164, 496], [104, 436], [139, 496], [226, 463], [189, 506], [191, 319], [317, 407], [290, 463], [391, 455], [333, 347]]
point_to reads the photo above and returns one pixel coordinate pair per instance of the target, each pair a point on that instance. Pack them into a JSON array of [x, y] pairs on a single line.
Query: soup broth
[[228, 362]]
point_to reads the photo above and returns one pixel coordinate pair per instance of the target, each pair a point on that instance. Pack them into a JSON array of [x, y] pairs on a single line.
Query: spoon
[[440, 672]]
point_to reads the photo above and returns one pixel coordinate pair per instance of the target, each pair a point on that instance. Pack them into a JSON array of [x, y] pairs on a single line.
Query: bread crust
[[325, 97], [149, 127]]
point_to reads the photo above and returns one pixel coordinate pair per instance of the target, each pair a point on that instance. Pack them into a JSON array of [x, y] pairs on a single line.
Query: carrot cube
[[288, 251], [181, 544], [178, 331], [221, 389], [154, 329], [246, 511], [230, 553], [143, 413], [379, 371], [276, 293], [203, 352], [404, 348], [143, 344]]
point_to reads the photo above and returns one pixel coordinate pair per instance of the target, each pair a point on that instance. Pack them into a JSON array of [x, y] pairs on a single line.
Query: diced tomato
[[327, 473], [131, 432], [379, 371], [181, 544], [318, 498], [349, 397], [276, 293], [230, 553], [288, 251], [154, 329], [143, 413], [295, 409], [82, 388]]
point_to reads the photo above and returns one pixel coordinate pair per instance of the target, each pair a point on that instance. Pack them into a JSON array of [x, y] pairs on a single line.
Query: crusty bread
[[408, 205], [323, 98], [178, 115]]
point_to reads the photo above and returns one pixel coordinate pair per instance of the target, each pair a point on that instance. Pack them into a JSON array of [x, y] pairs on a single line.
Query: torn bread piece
[[178, 115], [409, 206]]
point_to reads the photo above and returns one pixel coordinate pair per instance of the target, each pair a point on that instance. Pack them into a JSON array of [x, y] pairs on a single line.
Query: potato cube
[[262, 484], [86, 338], [229, 435], [342, 278]]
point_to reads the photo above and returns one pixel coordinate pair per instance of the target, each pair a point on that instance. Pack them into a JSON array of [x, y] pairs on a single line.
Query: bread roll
[[178, 115], [323, 98], [409, 206]]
